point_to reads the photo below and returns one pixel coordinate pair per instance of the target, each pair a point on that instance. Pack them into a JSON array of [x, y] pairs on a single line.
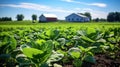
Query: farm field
[[59, 44]]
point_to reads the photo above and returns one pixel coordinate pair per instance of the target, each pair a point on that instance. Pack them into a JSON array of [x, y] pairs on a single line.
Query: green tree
[[97, 20], [6, 19], [20, 17], [117, 16], [88, 15], [0, 19], [113, 17], [34, 18], [102, 19]]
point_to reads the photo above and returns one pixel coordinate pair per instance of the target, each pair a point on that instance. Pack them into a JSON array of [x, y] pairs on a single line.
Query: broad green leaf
[[31, 52], [82, 32], [112, 46], [13, 43], [74, 53], [47, 48], [86, 39], [87, 50], [55, 57], [61, 51], [101, 40], [112, 40], [23, 46], [76, 38], [57, 65], [40, 41], [62, 41], [90, 30], [81, 48], [8, 43], [104, 47], [53, 34], [49, 33], [90, 48]]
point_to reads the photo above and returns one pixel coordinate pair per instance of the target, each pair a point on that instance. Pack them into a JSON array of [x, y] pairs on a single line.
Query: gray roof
[[80, 15]]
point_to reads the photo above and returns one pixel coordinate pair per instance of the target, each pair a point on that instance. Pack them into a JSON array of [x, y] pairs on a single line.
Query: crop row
[[56, 47]]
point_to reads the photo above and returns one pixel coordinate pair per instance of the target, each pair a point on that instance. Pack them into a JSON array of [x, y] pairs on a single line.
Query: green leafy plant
[[56, 56], [81, 54], [36, 55], [7, 46]]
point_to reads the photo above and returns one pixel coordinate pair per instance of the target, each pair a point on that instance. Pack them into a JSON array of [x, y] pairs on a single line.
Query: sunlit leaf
[[31, 52]]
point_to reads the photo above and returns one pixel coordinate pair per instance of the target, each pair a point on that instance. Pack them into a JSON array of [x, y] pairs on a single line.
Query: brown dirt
[[102, 60]]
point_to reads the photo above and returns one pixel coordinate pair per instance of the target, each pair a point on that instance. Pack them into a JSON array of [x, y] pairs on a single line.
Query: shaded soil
[[102, 60]]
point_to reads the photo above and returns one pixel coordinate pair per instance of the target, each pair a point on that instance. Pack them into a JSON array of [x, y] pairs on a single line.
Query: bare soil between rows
[[102, 60]]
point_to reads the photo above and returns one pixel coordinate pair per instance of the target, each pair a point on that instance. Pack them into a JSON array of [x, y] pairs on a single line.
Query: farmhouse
[[76, 17], [47, 18]]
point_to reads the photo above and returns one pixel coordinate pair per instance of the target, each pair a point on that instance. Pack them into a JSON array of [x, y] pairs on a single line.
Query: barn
[[77, 17], [47, 18]]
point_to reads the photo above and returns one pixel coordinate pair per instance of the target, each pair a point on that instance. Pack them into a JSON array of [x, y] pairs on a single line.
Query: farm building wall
[[51, 19], [76, 18], [42, 18]]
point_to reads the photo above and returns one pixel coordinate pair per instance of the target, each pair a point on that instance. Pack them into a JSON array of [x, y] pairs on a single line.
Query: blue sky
[[62, 8]]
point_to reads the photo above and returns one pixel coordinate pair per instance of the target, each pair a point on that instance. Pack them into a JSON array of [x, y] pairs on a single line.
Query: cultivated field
[[59, 44]]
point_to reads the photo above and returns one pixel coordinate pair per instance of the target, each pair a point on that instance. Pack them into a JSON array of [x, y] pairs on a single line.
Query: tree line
[[111, 17], [5, 19], [19, 17], [99, 20]]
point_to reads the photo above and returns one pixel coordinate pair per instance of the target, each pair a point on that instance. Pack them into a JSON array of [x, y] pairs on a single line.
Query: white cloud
[[26, 5], [35, 7], [98, 4], [84, 3], [68, 0], [94, 13]]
